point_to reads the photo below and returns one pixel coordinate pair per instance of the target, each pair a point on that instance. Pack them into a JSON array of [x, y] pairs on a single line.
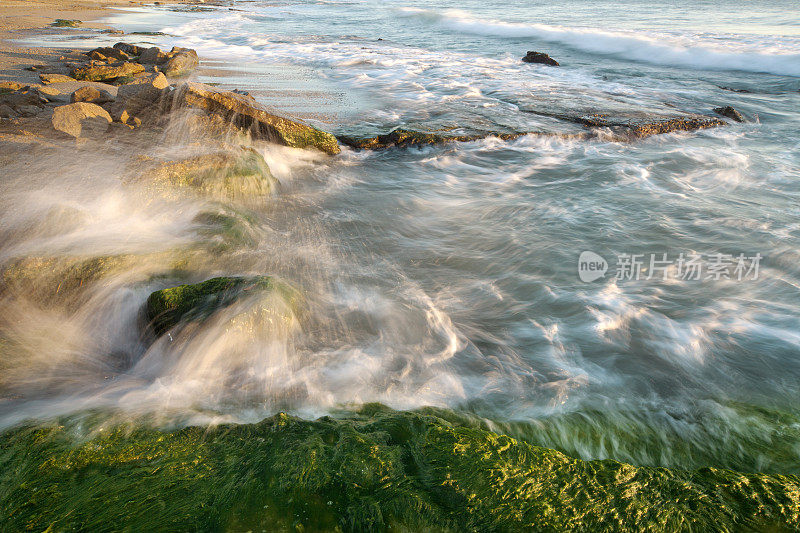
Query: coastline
[[375, 469]]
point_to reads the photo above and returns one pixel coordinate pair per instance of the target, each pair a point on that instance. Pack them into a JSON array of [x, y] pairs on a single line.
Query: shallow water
[[448, 276]]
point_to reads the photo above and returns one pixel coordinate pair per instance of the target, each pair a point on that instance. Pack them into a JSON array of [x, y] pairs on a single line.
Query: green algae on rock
[[249, 115], [376, 470], [168, 307], [241, 174], [402, 138]]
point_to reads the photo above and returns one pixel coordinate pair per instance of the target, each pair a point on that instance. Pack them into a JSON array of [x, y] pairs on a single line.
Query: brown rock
[[246, 113], [729, 112], [11, 86], [106, 72], [153, 56], [92, 95], [109, 52], [7, 112], [130, 49], [81, 119], [182, 62], [54, 78]]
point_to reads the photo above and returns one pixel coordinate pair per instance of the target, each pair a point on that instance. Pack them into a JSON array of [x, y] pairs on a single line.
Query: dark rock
[[402, 138], [153, 56], [645, 127], [540, 57], [81, 119], [246, 113], [106, 72], [729, 112], [181, 62], [130, 49], [7, 112], [23, 97], [113, 31], [92, 95]]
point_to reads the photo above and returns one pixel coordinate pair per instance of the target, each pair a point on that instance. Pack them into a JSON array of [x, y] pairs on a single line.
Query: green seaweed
[[168, 307], [66, 23], [375, 470]]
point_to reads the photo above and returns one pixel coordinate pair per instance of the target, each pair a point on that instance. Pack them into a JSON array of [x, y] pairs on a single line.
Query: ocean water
[[449, 275]]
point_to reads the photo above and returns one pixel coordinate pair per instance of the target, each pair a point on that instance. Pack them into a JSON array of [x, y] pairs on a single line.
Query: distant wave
[[633, 46]]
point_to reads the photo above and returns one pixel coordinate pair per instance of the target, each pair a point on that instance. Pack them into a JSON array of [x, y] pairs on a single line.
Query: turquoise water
[[448, 276]]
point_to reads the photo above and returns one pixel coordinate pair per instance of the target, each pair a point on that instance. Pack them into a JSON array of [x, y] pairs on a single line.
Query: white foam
[[662, 49]]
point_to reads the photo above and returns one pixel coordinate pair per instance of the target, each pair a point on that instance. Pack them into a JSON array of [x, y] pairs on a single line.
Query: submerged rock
[[81, 119], [248, 114], [166, 308], [402, 138], [373, 470], [540, 57], [729, 112], [106, 72], [180, 62], [239, 174]]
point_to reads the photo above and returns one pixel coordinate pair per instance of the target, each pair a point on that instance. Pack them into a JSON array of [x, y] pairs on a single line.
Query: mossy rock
[[377, 470], [224, 229], [168, 307], [66, 23], [240, 174], [402, 138]]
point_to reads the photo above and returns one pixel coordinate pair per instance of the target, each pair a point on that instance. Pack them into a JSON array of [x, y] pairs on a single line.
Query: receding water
[[448, 276]]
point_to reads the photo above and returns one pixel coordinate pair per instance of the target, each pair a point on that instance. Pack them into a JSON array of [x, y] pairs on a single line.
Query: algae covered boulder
[[373, 470], [247, 114], [168, 307], [236, 174]]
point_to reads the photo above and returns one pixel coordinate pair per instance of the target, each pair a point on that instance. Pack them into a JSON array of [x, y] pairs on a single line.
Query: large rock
[[106, 72], [729, 112], [167, 308], [246, 113], [153, 56], [541, 58], [130, 49], [81, 119], [55, 78], [182, 62], [108, 52], [92, 95], [239, 174]]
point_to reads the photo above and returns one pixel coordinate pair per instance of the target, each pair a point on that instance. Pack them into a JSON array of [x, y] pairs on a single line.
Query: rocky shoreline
[[372, 470]]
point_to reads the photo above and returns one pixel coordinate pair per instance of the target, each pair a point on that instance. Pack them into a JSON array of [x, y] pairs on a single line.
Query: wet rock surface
[[540, 58], [249, 115], [729, 112]]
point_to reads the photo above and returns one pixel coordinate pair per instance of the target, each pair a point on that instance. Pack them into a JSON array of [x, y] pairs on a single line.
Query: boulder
[[168, 307], [729, 112], [81, 119], [92, 95], [246, 113], [539, 57], [153, 56], [239, 174], [106, 72], [23, 97], [109, 52], [181, 62], [130, 49], [142, 94], [54, 78]]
